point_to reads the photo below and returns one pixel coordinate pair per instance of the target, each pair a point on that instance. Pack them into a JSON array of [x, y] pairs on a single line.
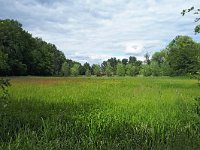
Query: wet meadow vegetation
[[101, 113]]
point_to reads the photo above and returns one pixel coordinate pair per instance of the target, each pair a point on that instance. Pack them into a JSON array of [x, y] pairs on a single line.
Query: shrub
[[155, 69], [88, 73], [132, 70], [4, 84], [120, 69], [146, 70]]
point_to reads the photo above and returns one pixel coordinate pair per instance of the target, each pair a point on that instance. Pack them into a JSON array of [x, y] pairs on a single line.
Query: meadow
[[101, 113]]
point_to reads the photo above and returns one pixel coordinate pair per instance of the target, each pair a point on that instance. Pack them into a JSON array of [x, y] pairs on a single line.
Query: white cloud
[[138, 46], [134, 48], [92, 57], [94, 30]]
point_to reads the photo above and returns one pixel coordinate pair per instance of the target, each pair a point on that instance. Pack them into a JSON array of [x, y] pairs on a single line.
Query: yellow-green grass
[[101, 113]]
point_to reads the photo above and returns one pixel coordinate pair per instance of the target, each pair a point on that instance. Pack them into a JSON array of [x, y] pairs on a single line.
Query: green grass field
[[101, 113]]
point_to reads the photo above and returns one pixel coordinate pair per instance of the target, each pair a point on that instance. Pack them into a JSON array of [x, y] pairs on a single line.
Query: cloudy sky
[[95, 30]]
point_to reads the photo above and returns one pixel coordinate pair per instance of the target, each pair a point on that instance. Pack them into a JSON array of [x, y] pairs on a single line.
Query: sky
[[95, 30]]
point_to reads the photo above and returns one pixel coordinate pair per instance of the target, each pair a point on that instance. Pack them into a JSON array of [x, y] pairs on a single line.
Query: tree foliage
[[146, 70], [196, 12], [155, 69], [109, 69], [21, 54], [147, 58], [88, 73], [4, 84], [132, 70], [75, 70], [183, 55], [121, 69], [65, 70], [96, 69]]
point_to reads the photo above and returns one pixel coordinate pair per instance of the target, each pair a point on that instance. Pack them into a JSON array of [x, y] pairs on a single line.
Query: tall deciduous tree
[[146, 70], [124, 61], [24, 54], [132, 60], [86, 68], [147, 59], [4, 67], [88, 73], [183, 55], [108, 70], [155, 69], [113, 63], [132, 70], [75, 70], [96, 69], [65, 70], [121, 69]]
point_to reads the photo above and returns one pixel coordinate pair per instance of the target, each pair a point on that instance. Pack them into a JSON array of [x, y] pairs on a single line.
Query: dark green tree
[[4, 67], [22, 54], [183, 55], [147, 59], [132, 60], [124, 61], [4, 84], [86, 67], [113, 62]]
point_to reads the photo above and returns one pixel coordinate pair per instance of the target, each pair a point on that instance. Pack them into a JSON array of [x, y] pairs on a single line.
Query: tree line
[[21, 54]]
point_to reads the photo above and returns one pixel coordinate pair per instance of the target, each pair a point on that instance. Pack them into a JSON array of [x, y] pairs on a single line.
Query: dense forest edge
[[22, 54]]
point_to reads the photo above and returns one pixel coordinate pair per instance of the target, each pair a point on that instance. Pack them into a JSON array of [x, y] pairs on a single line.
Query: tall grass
[[101, 113]]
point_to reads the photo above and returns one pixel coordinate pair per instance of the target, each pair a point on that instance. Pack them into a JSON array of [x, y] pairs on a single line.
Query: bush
[[121, 69], [132, 70], [155, 69], [166, 70], [65, 69], [75, 70], [4, 84], [108, 70], [146, 70], [88, 73], [198, 77]]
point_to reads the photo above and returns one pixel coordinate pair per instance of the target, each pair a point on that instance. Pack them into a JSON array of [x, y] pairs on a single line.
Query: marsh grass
[[101, 113]]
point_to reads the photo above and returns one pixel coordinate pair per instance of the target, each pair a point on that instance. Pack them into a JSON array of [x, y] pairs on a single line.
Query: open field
[[101, 113]]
